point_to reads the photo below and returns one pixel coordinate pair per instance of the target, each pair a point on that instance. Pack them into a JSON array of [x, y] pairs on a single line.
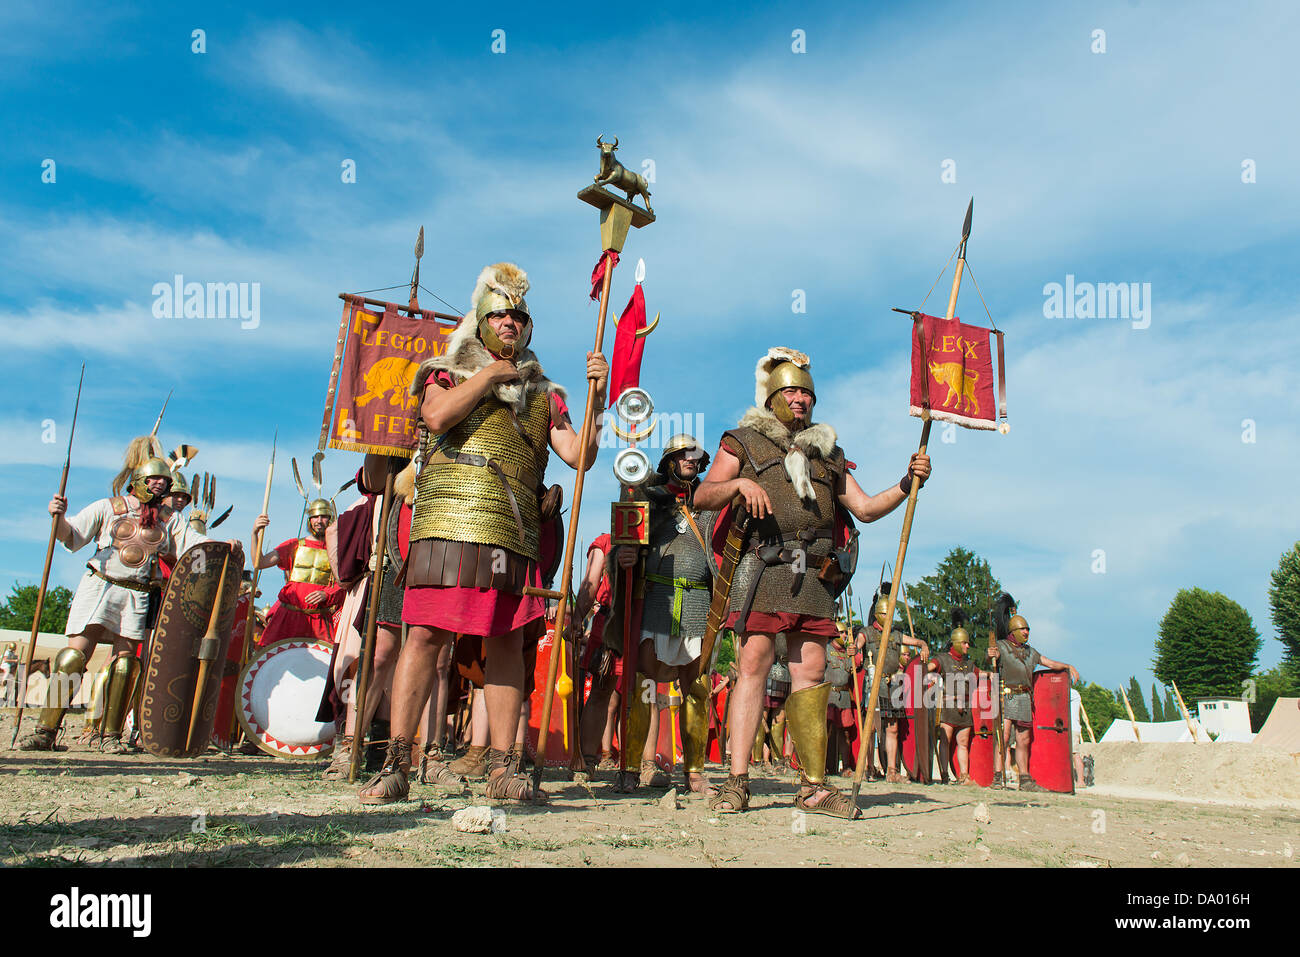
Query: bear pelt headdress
[[466, 355], [815, 441]]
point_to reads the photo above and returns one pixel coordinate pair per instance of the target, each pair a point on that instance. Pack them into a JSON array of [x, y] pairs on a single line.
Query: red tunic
[[486, 612], [291, 616]]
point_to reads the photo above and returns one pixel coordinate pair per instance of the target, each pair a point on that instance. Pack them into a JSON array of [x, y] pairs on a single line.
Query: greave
[[638, 721], [119, 692], [695, 725], [95, 706], [805, 713], [69, 664]]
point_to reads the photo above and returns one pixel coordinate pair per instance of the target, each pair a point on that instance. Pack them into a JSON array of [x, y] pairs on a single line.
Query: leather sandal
[[652, 776], [392, 777], [506, 780], [835, 804], [434, 771], [113, 744], [42, 739], [607, 761], [341, 765], [732, 796]]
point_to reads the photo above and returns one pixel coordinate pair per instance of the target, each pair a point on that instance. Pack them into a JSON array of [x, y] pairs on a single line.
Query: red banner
[[625, 369], [369, 407], [955, 378]]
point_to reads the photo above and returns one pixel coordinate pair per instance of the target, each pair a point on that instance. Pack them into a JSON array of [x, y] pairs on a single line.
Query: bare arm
[[590, 582], [723, 483], [332, 546], [443, 408], [868, 508], [567, 442], [1059, 666]]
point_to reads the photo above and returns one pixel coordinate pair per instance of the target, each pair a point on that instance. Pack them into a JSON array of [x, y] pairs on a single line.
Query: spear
[[49, 557], [1131, 719], [616, 217], [911, 501], [158, 421], [246, 651]]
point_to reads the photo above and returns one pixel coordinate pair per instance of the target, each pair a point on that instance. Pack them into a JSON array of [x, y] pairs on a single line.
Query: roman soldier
[[117, 597], [308, 604], [488, 420], [841, 719], [603, 663], [673, 573], [1016, 661], [890, 705], [795, 484], [959, 674]]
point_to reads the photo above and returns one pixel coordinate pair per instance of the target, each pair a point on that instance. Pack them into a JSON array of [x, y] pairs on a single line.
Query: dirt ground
[[78, 807]]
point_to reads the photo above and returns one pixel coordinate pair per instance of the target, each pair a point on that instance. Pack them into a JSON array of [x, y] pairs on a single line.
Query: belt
[[1016, 689], [783, 554], [680, 585], [318, 610], [124, 583], [525, 476]]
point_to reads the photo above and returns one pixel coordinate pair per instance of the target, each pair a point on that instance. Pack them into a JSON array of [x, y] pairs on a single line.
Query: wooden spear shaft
[[45, 572], [1186, 714], [378, 545], [1132, 720], [860, 770], [1088, 724], [570, 540], [246, 652]]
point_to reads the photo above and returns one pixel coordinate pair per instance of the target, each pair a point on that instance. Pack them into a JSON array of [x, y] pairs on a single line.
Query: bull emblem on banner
[[959, 383], [391, 376], [615, 174]]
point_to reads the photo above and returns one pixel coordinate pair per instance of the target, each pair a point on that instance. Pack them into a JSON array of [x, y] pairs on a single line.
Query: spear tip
[[965, 227]]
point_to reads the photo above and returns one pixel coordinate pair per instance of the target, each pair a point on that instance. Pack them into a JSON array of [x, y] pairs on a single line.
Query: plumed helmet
[[180, 486], [152, 468], [781, 368], [320, 506], [501, 288], [959, 632], [682, 442], [880, 603], [1016, 623]]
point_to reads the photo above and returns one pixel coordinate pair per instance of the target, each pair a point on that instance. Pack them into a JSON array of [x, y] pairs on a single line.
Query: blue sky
[[775, 171]]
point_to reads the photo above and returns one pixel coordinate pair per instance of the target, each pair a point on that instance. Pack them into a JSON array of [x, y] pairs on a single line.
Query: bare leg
[[388, 646], [756, 654], [1023, 739], [503, 688], [891, 745], [415, 674], [478, 720]]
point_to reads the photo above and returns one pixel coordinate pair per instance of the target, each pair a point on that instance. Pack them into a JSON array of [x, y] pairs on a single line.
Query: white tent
[[1154, 732]]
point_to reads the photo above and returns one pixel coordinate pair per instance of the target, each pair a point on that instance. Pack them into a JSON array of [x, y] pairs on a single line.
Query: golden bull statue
[[959, 383], [391, 376]]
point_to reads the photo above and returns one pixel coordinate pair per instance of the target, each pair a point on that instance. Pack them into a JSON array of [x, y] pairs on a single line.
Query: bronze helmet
[[321, 506], [501, 288], [152, 468], [787, 375], [679, 443], [1016, 623]]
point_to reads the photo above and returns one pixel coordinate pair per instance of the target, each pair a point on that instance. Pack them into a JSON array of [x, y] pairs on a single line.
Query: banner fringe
[[396, 452], [964, 421]]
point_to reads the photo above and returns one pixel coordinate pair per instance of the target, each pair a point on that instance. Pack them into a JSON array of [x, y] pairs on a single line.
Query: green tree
[[962, 579], [1284, 602], [1262, 691], [19, 609], [1135, 700], [1171, 706], [726, 651], [1207, 645], [1102, 707], [1157, 712]]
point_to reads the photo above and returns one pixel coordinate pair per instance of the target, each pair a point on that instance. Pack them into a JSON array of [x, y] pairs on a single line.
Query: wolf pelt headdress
[[815, 441], [500, 286]]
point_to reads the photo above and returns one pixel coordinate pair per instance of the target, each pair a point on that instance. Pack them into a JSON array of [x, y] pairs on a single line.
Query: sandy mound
[[1227, 773]]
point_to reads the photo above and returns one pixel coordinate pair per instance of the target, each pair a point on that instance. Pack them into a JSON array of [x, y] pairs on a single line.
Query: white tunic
[[119, 610]]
